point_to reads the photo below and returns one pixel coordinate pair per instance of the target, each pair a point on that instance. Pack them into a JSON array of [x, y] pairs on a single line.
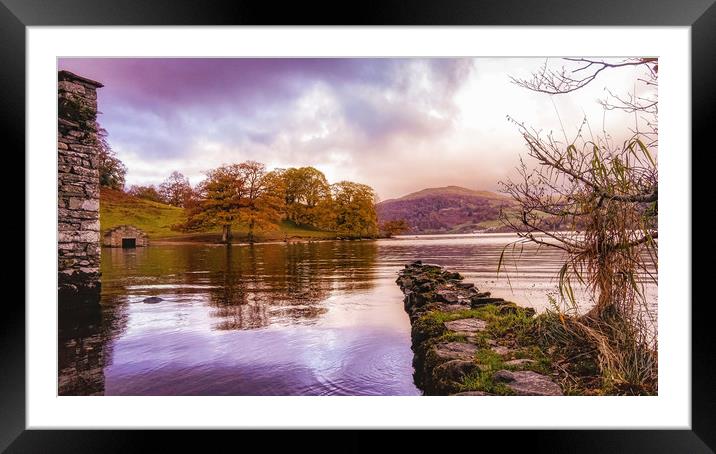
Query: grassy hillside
[[117, 208]]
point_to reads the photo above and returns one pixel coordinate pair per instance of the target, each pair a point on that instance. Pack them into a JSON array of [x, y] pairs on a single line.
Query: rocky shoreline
[[467, 342]]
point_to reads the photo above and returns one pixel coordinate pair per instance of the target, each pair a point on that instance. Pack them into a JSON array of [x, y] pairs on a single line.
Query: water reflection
[[317, 318], [254, 286], [86, 330], [80, 348], [237, 306]]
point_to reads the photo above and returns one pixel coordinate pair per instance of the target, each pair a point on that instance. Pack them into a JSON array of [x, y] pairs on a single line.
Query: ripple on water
[[323, 318]]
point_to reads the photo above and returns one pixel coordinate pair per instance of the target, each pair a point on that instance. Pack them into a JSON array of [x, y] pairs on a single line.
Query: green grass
[[514, 327], [117, 208], [156, 219], [481, 380], [289, 228]]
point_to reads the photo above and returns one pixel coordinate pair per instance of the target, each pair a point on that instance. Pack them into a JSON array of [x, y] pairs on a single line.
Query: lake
[[319, 318]]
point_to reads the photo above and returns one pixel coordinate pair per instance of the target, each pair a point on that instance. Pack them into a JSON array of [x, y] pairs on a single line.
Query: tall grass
[[605, 356]]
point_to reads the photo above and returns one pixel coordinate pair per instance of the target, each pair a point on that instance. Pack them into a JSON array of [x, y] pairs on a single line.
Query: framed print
[[446, 218]]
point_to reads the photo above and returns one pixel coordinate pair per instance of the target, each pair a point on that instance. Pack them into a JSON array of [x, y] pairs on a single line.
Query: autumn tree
[[193, 220], [146, 192], [221, 198], [307, 196], [112, 170], [353, 209], [175, 190], [247, 193], [394, 227], [263, 197]]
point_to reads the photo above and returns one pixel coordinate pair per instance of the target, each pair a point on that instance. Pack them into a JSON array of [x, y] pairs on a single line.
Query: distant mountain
[[451, 209]]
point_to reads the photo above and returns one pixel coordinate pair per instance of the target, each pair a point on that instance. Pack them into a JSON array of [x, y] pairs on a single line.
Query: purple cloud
[[439, 121], [157, 105]]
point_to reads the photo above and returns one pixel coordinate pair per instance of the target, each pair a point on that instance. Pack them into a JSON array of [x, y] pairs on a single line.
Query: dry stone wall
[[78, 244]]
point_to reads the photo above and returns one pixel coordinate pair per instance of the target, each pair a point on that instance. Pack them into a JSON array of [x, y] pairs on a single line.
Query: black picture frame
[[700, 15]]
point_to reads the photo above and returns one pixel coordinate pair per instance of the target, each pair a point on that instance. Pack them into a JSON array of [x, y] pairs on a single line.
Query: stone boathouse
[[125, 236], [78, 248]]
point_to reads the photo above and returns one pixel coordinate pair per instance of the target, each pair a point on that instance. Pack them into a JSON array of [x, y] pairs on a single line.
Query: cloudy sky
[[399, 125]]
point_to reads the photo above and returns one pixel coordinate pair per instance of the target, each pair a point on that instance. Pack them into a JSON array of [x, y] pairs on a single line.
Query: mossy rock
[[427, 327], [447, 377]]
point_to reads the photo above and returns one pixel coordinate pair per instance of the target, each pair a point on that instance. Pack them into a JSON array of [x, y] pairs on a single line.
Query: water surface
[[321, 318]]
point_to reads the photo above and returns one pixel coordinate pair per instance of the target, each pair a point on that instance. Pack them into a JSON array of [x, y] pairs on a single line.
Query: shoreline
[[211, 238], [295, 240]]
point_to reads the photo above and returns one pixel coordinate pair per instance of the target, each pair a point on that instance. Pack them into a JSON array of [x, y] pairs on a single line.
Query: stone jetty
[[468, 342]]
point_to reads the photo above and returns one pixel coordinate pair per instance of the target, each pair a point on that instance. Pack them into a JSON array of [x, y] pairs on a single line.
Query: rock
[[77, 237], [465, 285], [71, 87], [477, 301], [463, 300], [454, 350], [519, 362], [528, 383], [447, 296], [90, 225], [472, 393], [503, 376], [508, 308], [89, 270], [90, 205], [454, 370], [152, 300], [466, 325], [445, 307], [405, 283], [455, 276], [73, 203], [501, 350]]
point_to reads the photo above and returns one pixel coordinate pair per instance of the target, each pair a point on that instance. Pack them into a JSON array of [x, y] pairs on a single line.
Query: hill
[[450, 209], [117, 208]]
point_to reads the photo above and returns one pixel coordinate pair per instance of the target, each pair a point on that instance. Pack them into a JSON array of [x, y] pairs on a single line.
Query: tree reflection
[[247, 287], [237, 303], [287, 283]]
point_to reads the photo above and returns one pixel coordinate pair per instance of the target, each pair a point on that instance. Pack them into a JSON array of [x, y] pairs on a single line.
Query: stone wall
[[77, 185], [113, 237]]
